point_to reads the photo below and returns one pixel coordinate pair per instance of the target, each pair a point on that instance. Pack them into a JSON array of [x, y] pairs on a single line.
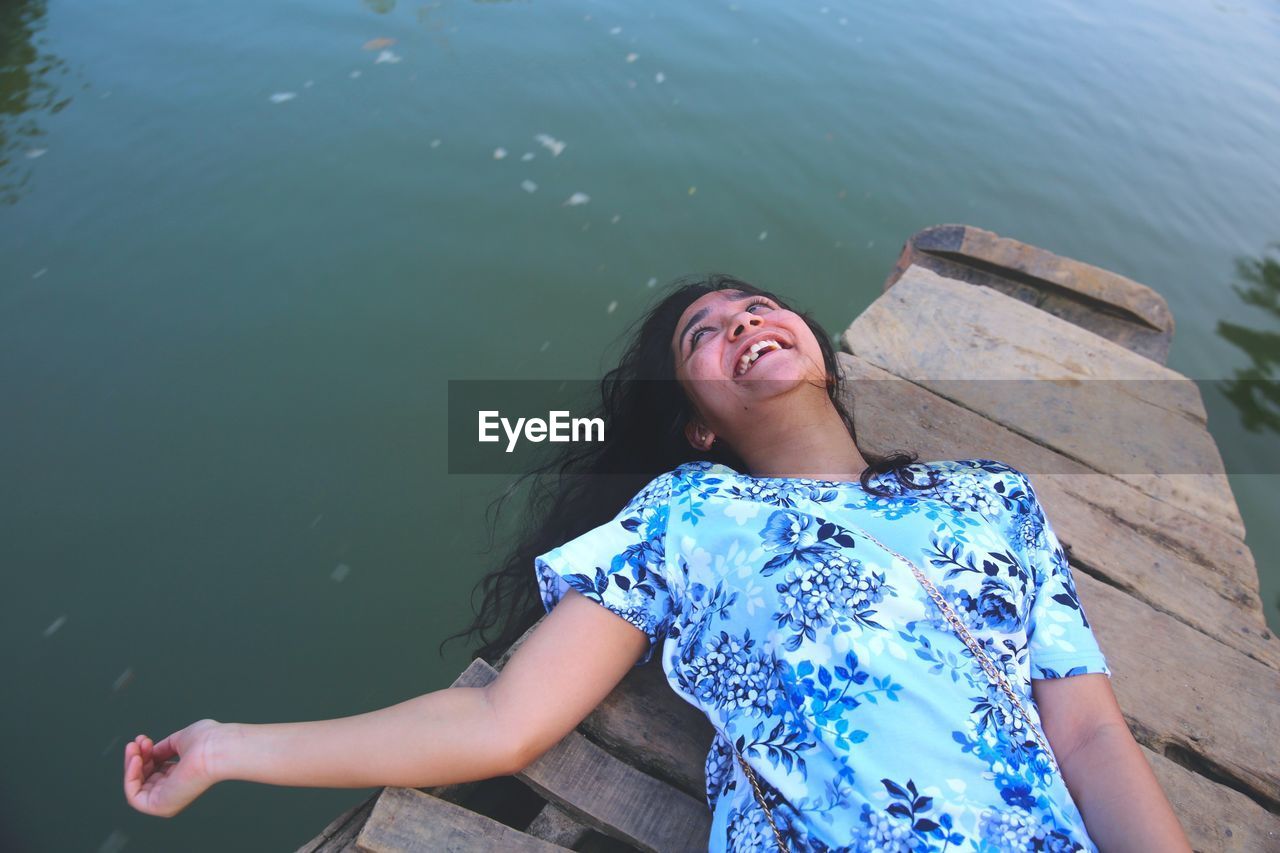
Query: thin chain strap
[[993, 674], [768, 813]]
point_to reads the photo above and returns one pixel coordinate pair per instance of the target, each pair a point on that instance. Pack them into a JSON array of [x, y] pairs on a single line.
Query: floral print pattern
[[819, 658]]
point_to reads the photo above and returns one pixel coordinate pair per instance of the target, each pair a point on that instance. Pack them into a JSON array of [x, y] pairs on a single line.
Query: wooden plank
[[1214, 817], [1117, 308], [645, 723], [957, 339], [613, 797], [1176, 562], [1184, 693], [405, 819], [555, 826], [607, 794], [340, 835]]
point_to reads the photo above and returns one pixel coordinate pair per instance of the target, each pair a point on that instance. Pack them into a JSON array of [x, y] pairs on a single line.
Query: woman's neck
[[799, 441]]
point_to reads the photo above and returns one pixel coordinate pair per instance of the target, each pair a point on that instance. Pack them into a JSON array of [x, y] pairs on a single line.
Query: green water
[[227, 323]]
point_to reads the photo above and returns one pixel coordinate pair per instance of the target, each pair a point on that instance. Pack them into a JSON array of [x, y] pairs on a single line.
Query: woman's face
[[734, 351]]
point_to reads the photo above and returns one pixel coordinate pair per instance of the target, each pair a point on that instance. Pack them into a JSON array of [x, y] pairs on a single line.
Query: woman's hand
[[156, 785]]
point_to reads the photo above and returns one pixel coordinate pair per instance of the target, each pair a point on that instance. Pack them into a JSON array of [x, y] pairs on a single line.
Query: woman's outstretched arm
[[1123, 807], [577, 655]]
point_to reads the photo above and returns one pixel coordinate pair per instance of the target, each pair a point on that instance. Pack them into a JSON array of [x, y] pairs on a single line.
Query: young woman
[[892, 653]]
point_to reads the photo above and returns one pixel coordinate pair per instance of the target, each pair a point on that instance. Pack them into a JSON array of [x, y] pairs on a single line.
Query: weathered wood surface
[[1174, 561], [643, 722], [1186, 695], [609, 795], [1117, 308], [554, 825], [1027, 370], [646, 724], [1215, 817], [407, 819]]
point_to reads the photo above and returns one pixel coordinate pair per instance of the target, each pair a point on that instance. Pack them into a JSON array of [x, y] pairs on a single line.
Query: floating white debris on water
[[123, 680], [435, 143], [659, 77], [379, 44], [115, 842], [55, 625], [631, 84], [577, 199], [33, 153], [693, 190], [632, 57], [549, 142], [617, 217], [355, 75], [653, 282], [340, 572], [844, 22], [40, 272], [387, 56], [527, 156], [613, 306], [308, 84], [825, 9], [528, 186], [499, 153], [546, 345], [763, 235], [615, 31], [281, 97]]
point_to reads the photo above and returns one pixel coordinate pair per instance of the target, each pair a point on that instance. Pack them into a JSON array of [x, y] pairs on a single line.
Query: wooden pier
[[1130, 479]]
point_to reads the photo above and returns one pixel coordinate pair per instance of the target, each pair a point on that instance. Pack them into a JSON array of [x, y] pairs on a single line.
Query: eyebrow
[[703, 312]]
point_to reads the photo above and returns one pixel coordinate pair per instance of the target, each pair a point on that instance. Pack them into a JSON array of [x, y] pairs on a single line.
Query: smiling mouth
[[758, 351]]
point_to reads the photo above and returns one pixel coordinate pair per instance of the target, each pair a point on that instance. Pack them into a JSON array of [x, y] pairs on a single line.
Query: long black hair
[[581, 487]]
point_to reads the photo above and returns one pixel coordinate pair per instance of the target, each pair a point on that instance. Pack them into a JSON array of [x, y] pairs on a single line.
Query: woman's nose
[[741, 323]]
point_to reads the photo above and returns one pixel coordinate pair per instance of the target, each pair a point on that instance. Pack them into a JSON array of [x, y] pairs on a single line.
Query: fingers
[[132, 777], [164, 750]]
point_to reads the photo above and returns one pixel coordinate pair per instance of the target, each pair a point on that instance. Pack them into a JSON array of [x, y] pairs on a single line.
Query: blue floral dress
[[816, 652]]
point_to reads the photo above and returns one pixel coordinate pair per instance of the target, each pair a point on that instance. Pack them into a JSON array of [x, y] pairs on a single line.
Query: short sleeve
[[620, 565], [1060, 640]]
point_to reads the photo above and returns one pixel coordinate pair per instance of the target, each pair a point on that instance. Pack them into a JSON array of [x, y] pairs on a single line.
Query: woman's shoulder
[[661, 489], [993, 488], [989, 471]]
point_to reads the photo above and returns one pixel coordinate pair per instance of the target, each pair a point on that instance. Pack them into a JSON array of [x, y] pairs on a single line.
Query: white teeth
[[751, 355]]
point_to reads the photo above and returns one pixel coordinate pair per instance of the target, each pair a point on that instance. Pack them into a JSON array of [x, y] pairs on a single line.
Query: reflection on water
[[1254, 390], [29, 80]]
